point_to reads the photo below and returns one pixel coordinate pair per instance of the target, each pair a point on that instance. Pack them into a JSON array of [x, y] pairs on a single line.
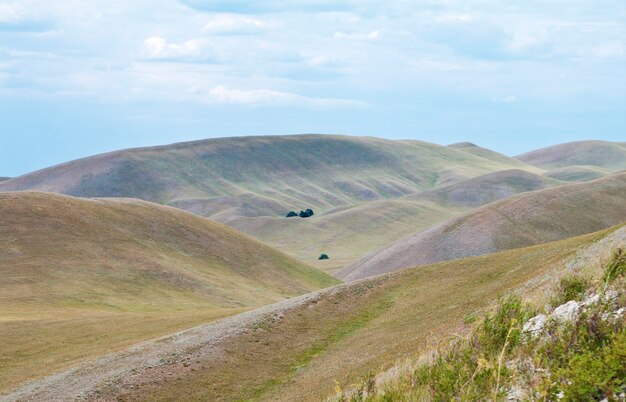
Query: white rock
[[535, 325], [515, 394], [616, 315], [591, 300], [610, 295], [566, 312]]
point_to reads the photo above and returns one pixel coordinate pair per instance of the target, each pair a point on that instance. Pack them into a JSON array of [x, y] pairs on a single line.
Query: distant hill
[[485, 153], [578, 173], [487, 188], [519, 221], [349, 233], [90, 275], [604, 154], [4, 178], [265, 176]]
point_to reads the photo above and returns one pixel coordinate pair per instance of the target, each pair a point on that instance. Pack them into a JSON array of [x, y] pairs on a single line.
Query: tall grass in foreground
[[571, 360]]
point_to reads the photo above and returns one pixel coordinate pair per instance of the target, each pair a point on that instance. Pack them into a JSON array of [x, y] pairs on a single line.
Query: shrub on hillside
[[323, 257], [303, 214], [307, 213]]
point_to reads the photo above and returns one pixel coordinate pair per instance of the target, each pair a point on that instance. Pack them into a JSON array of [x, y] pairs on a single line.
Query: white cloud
[[235, 25], [10, 13], [156, 48], [260, 97], [358, 36]]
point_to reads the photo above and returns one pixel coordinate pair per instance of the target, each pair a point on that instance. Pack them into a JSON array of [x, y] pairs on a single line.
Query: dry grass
[[359, 328], [84, 277]]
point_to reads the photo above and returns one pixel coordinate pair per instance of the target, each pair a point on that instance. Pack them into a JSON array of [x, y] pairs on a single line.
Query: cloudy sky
[[79, 77]]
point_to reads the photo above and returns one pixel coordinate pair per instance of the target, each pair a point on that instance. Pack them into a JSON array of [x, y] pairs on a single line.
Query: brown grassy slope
[[263, 176], [604, 154], [523, 220], [351, 330], [82, 277]]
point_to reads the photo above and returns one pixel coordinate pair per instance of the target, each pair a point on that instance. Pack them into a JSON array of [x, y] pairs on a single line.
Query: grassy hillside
[[520, 221], [347, 234], [264, 176], [604, 154], [526, 349], [340, 335], [485, 189], [82, 277], [578, 173], [485, 153]]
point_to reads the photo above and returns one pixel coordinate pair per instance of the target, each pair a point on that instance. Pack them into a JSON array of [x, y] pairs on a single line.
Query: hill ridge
[[522, 220]]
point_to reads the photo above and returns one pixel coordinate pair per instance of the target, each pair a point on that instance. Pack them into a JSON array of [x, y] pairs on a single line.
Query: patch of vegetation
[[570, 288], [616, 268], [323, 257], [303, 213], [581, 359], [306, 213], [586, 360]]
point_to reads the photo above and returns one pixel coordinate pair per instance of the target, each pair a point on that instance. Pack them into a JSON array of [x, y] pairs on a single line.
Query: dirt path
[[149, 359]]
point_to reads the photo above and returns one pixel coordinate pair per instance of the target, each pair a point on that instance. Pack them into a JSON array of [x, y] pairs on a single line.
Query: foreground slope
[[297, 349], [520, 221], [603, 154], [264, 176], [81, 277]]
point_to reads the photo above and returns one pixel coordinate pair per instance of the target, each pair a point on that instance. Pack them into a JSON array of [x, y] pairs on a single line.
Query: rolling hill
[[347, 234], [85, 276], [485, 153], [519, 221], [304, 348], [578, 173], [487, 188], [265, 176], [604, 154]]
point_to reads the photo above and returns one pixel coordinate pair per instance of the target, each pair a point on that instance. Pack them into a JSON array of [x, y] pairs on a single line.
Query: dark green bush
[[323, 257], [291, 214], [307, 213]]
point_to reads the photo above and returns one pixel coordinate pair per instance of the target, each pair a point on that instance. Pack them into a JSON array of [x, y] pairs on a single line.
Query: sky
[[81, 77]]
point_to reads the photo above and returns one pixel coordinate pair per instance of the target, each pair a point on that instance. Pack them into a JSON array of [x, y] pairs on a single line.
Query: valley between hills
[[140, 273]]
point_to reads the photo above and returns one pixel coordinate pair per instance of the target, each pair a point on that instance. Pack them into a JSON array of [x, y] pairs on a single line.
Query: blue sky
[[80, 77]]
